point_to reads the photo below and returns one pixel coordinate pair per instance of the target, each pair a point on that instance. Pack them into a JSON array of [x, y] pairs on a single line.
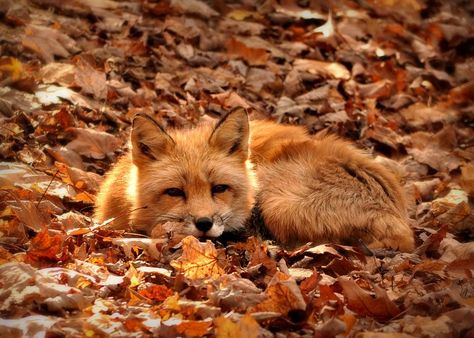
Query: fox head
[[195, 179]]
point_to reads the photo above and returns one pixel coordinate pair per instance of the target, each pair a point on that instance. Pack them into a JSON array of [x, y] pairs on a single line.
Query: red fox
[[206, 181]]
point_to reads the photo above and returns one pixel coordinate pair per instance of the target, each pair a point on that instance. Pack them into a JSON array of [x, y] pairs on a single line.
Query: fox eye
[[175, 192], [219, 188]]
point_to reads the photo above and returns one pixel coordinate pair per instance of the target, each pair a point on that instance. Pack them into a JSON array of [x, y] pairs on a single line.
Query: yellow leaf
[[84, 197], [13, 67], [171, 303], [242, 14], [247, 327], [132, 274]]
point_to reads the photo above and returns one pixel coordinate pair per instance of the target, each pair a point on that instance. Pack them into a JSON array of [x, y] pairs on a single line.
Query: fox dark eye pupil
[[175, 192], [219, 188]]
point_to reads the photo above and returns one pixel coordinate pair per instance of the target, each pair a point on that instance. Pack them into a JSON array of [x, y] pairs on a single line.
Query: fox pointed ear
[[231, 133], [149, 139]]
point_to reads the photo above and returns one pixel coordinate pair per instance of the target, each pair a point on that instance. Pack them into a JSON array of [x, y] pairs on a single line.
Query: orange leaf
[[254, 56], [156, 292], [193, 328], [133, 324], [283, 296], [310, 283], [44, 246], [199, 260]]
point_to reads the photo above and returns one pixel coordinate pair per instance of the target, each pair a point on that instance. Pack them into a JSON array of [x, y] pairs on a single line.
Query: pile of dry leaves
[[396, 77]]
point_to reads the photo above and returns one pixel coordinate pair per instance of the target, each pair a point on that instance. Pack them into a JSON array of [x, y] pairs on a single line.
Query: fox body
[[206, 181]]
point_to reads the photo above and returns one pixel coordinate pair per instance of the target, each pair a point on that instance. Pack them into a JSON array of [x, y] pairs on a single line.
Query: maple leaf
[[199, 260], [46, 246]]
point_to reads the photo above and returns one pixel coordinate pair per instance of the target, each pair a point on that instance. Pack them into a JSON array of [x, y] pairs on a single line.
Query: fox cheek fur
[[193, 182]]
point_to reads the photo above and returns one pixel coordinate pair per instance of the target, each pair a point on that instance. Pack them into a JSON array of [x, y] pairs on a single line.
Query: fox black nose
[[203, 223]]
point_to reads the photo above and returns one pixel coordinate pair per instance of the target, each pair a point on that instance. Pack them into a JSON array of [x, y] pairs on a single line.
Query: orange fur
[[307, 188]]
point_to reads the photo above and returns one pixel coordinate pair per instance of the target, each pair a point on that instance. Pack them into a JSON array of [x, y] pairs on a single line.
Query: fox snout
[[203, 224]]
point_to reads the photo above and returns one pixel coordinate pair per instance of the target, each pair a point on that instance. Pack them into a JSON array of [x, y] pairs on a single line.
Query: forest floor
[[395, 77]]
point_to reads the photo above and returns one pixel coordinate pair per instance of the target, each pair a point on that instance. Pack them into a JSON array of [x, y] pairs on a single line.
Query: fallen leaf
[[48, 42], [89, 78], [60, 73], [24, 286], [46, 246], [93, 143], [199, 260], [194, 7], [245, 327], [282, 295], [327, 69], [254, 56], [467, 178], [156, 292], [420, 115], [193, 328], [378, 306]]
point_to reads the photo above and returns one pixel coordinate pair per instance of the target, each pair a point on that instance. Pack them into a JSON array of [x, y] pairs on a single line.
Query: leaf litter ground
[[394, 77]]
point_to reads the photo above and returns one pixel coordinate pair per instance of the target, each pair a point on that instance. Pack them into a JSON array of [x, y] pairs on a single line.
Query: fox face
[[195, 182]]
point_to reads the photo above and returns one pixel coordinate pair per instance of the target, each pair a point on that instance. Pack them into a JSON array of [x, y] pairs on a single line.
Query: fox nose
[[203, 223]]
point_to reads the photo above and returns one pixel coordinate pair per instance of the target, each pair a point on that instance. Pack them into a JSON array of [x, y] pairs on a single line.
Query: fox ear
[[231, 133], [149, 139]]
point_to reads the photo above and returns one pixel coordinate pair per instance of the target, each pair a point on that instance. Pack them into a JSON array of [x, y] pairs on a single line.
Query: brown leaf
[[93, 143], [194, 7], [89, 78], [310, 283], [66, 156], [378, 306], [51, 94], [419, 115], [48, 42], [233, 293], [327, 69], [59, 73], [82, 180], [467, 178]]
